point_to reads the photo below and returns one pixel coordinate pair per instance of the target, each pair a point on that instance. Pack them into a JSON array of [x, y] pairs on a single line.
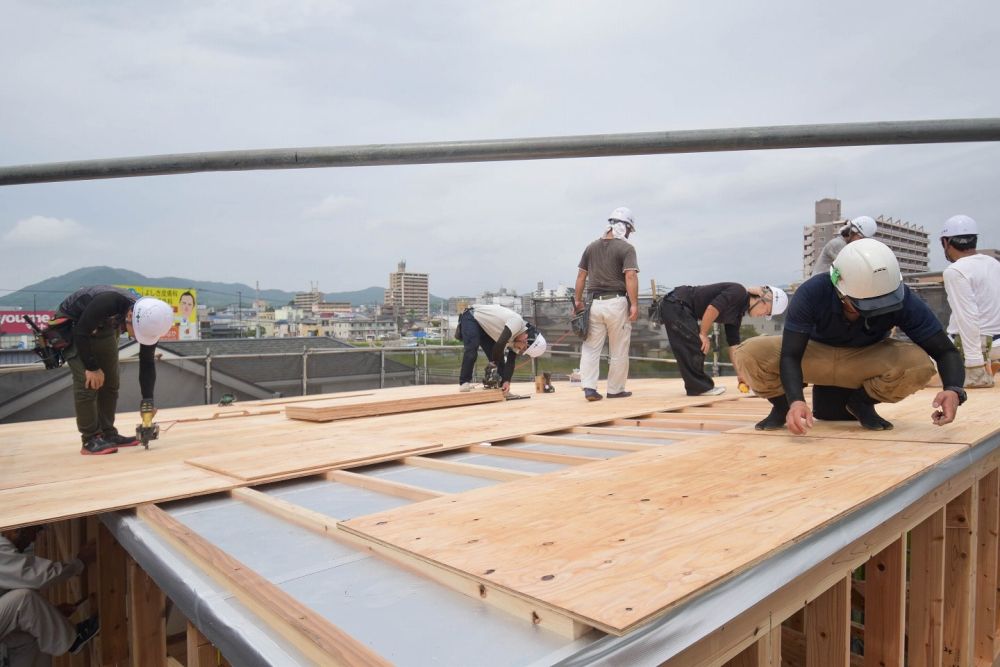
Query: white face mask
[[618, 229]]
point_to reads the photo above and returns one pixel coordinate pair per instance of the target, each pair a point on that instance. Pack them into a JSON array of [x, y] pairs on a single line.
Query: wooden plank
[[926, 592], [960, 574], [111, 598], [316, 637], [528, 455], [536, 614], [661, 432], [373, 406], [985, 612], [460, 468], [885, 593], [200, 652], [827, 619], [647, 513], [147, 619], [709, 415], [380, 485], [589, 444]]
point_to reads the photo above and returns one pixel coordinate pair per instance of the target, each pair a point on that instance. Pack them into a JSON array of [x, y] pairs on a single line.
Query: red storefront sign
[[12, 321]]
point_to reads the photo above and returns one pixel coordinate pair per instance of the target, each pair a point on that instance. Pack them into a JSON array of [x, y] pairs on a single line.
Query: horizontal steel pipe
[[537, 148]]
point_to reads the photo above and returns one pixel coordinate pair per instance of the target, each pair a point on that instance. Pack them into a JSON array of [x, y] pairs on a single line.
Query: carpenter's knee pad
[[829, 403]]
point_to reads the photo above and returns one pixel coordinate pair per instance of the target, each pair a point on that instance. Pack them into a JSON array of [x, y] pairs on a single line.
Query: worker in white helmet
[[609, 271], [502, 334], [837, 334], [972, 283], [861, 227], [688, 313], [98, 316]]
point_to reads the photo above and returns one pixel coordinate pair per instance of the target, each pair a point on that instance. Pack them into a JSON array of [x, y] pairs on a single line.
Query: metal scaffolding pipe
[[536, 148]]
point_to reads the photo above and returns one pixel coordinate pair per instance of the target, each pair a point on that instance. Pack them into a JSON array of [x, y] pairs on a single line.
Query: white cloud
[[42, 231], [333, 206]]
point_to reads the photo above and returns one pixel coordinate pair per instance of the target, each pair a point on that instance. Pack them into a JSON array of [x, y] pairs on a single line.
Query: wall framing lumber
[[460, 468], [960, 576], [147, 619], [387, 486], [987, 527], [827, 619], [535, 614], [926, 591], [885, 606], [200, 652], [112, 588], [313, 635], [527, 455]]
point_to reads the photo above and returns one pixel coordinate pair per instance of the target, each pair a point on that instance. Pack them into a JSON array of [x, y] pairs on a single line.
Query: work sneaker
[[119, 440], [85, 631], [465, 386], [620, 394], [98, 445], [714, 391], [592, 395]]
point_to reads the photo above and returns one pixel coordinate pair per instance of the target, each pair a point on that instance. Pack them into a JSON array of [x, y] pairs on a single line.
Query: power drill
[[491, 378], [147, 430]]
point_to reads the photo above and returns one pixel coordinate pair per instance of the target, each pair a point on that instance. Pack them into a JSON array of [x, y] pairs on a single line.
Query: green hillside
[[48, 293]]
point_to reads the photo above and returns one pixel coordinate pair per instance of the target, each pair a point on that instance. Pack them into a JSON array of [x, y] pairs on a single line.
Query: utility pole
[[239, 315]]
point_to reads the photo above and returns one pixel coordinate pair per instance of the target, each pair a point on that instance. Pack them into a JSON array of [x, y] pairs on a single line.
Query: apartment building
[[408, 293]]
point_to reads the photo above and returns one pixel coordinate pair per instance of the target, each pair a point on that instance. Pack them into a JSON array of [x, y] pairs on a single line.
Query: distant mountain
[[48, 293]]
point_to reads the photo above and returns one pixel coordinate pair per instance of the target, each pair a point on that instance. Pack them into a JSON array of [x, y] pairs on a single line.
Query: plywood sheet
[[42, 458], [616, 543], [432, 398], [65, 499], [911, 418]]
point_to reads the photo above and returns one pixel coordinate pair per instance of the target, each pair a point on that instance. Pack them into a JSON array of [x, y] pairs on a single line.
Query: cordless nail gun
[[147, 430], [491, 378]]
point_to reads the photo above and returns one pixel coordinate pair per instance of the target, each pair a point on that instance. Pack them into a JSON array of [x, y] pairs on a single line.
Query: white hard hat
[[151, 319], [864, 225], [958, 225], [779, 300], [536, 347], [622, 214], [868, 273]]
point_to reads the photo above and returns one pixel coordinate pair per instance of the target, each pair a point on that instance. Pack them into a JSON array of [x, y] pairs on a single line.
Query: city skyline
[[119, 80]]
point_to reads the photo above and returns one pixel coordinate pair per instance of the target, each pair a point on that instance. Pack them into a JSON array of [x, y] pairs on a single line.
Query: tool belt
[[579, 323]]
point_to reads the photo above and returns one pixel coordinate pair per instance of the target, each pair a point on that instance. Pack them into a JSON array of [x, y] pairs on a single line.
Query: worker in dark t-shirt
[[99, 315], [688, 314], [836, 334]]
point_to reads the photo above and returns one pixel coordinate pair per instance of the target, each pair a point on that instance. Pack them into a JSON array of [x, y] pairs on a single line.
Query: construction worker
[[861, 227], [29, 623], [836, 334], [99, 315], [496, 330], [972, 283], [688, 314], [609, 271]]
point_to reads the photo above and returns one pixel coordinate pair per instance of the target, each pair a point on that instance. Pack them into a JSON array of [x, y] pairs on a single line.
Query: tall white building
[[908, 241], [408, 293]]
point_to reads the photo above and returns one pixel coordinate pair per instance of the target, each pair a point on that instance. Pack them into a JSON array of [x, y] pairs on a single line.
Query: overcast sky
[[85, 80]]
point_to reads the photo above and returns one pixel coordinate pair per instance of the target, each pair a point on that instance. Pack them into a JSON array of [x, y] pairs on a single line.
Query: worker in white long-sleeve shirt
[[972, 283], [29, 623]]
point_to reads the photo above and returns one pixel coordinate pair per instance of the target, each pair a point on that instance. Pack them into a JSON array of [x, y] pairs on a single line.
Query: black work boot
[[775, 420], [862, 406], [119, 440], [98, 445]]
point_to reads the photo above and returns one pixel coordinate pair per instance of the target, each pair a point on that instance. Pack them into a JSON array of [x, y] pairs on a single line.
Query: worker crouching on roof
[[99, 315], [688, 314], [861, 227], [502, 334], [837, 334]]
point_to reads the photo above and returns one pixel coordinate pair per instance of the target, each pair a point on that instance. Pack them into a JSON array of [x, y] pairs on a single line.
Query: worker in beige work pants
[[889, 370], [31, 627]]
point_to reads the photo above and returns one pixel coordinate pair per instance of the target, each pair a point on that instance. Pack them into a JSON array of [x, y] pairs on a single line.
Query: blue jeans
[[473, 339]]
